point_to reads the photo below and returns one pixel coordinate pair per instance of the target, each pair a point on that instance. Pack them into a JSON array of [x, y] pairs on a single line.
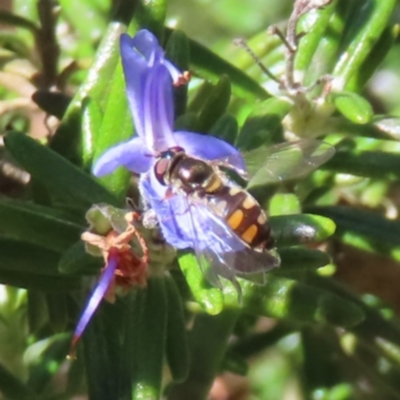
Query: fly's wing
[[286, 161], [283, 161], [223, 251], [233, 162], [197, 230]]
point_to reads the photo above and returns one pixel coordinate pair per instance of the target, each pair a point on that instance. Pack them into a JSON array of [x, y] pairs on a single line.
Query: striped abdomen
[[242, 214]]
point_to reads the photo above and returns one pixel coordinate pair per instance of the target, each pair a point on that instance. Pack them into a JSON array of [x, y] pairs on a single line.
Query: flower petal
[[146, 44], [158, 109], [210, 148], [132, 155], [135, 71], [95, 298], [141, 58]]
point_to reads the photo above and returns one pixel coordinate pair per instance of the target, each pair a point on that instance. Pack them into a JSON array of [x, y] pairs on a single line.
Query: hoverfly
[[230, 229]]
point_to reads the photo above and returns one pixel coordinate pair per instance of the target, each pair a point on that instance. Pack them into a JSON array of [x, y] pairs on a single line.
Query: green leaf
[[209, 298], [76, 261], [285, 298], [207, 343], [388, 125], [371, 358], [366, 229], [188, 121], [284, 204], [250, 345], [300, 228], [77, 15], [100, 368], [375, 324], [116, 109], [176, 347], [20, 257], [215, 105], [353, 106], [382, 127], [91, 123], [317, 49], [264, 126], [321, 351], [177, 51], [200, 97], [225, 128], [365, 27], [69, 139], [58, 311], [36, 225], [37, 311], [60, 176], [234, 363], [44, 359], [151, 15], [35, 281], [12, 46], [150, 348], [373, 164], [12, 387], [208, 65], [296, 259], [28, 266], [389, 349], [375, 58]]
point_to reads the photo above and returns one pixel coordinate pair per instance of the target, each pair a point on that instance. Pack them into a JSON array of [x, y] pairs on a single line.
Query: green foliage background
[[324, 326]]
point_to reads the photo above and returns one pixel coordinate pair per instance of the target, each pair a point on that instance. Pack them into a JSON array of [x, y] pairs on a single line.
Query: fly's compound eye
[[160, 170], [164, 161]]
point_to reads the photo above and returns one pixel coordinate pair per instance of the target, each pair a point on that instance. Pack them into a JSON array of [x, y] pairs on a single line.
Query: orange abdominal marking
[[250, 233], [235, 219]]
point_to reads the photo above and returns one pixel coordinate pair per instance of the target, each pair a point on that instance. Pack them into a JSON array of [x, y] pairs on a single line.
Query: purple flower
[[149, 83]]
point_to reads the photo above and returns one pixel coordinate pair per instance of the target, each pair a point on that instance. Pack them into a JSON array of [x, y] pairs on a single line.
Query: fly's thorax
[[194, 176]]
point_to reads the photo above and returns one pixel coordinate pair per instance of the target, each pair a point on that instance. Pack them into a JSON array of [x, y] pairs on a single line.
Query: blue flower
[[149, 86]]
